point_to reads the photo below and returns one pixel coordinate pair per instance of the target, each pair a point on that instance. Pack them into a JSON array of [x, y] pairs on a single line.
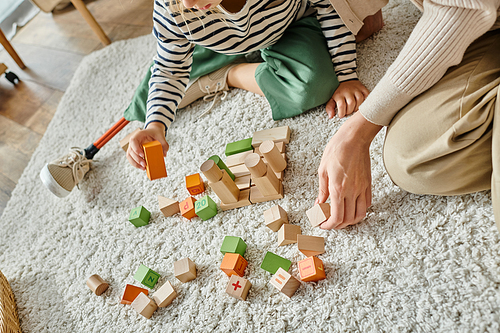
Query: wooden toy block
[[187, 208], [131, 292], [165, 295], [194, 184], [185, 270], [280, 145], [168, 207], [146, 276], [262, 175], [243, 183], [275, 217], [139, 216], [243, 200], [238, 146], [311, 269], [220, 182], [273, 156], [205, 208], [288, 234], [256, 196], [310, 245], [238, 287], [144, 305], [97, 284], [277, 134], [285, 282], [318, 213], [155, 162], [237, 159], [124, 142], [233, 244], [233, 263], [239, 170], [220, 163], [272, 262]]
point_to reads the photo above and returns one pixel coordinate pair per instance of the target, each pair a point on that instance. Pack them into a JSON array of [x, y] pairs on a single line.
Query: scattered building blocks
[[272, 262], [310, 245], [238, 146], [205, 208], [124, 142], [97, 284], [165, 295], [275, 217], [187, 208], [272, 156], [237, 159], [194, 184], [233, 244], [238, 287], [256, 196], [243, 200], [285, 282], [311, 269], [185, 270], [277, 134], [318, 214], [139, 216], [144, 305], [220, 182], [220, 163], [168, 207], [131, 293], [233, 263], [288, 234], [146, 276], [155, 162]]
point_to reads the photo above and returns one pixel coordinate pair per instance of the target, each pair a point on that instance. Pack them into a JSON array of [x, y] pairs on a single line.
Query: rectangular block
[[243, 182], [318, 214], [288, 234], [226, 189], [185, 270], [187, 208], [205, 208], [146, 276], [237, 159], [144, 305], [126, 139], [238, 287], [272, 262], [256, 196], [269, 184], [165, 295], [310, 245], [238, 146], [311, 269], [139, 216], [243, 200], [277, 134], [239, 170], [285, 282], [155, 162], [275, 217], [131, 292], [168, 207], [233, 263], [194, 184], [233, 244]]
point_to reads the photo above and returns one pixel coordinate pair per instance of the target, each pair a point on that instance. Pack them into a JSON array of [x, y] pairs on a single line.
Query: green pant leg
[[297, 73]]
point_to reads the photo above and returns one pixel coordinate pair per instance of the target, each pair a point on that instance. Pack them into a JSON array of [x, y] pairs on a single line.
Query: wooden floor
[[52, 46]]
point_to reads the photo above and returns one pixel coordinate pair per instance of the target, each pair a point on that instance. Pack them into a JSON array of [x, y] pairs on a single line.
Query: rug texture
[[416, 263]]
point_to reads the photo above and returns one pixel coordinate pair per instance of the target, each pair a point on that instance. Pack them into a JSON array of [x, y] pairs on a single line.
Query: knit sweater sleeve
[[438, 41]]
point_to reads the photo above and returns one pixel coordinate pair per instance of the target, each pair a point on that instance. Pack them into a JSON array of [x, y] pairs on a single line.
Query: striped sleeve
[[340, 40]]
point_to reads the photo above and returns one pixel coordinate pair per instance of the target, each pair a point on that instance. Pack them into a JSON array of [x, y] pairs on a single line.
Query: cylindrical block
[[211, 171], [273, 156], [226, 189], [97, 284], [255, 165], [269, 184]]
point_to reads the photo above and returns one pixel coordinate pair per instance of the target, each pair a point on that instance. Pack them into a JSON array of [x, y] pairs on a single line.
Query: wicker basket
[[9, 322]]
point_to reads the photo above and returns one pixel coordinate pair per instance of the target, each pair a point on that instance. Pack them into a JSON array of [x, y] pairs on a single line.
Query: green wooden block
[[220, 163], [272, 262], [146, 276], [233, 244], [239, 146], [139, 216], [205, 208]]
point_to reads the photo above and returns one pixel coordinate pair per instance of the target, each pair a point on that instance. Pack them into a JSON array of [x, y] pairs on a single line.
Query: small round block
[[97, 284]]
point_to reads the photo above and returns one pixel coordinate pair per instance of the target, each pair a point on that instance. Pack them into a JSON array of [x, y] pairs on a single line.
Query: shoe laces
[[212, 96], [76, 161]]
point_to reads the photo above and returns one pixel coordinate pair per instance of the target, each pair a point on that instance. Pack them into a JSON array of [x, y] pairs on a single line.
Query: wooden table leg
[[6, 44], [80, 6]]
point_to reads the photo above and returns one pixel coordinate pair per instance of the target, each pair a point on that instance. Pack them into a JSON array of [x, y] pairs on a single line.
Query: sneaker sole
[[51, 183]]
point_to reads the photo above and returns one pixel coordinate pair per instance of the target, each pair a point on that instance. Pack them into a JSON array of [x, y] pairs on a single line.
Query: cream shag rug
[[417, 263]]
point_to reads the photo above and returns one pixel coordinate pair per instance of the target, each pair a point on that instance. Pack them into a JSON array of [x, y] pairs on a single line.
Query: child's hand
[[135, 152], [346, 99]]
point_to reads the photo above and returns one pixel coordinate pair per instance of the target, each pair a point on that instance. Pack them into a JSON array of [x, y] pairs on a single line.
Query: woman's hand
[[135, 152], [346, 99], [345, 173]]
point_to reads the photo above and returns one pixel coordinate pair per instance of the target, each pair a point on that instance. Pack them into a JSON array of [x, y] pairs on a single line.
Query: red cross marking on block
[[237, 285]]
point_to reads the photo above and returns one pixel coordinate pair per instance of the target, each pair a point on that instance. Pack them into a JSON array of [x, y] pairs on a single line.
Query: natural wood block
[[268, 184], [238, 287], [146, 276], [187, 209], [205, 208], [220, 163], [275, 217], [243, 182], [243, 200], [211, 171], [233, 244], [283, 155], [318, 213], [277, 134], [226, 190], [311, 245], [97, 284], [239, 170], [185, 270], [131, 292], [238, 146], [255, 165], [273, 156], [124, 142], [194, 184], [139, 216], [311, 269], [233, 263], [288, 234], [155, 162], [144, 305], [237, 159], [256, 196], [280, 145], [272, 262], [168, 207], [165, 295], [285, 282]]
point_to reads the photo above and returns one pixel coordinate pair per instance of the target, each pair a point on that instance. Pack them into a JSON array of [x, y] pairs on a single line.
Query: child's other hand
[[346, 99], [135, 152]]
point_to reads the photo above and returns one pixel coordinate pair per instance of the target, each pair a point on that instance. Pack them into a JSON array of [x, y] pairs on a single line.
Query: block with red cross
[[238, 287]]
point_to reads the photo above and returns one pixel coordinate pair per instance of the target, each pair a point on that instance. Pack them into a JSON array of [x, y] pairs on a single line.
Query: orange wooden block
[[233, 264], [311, 269], [155, 162], [131, 292], [194, 184], [187, 208]]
